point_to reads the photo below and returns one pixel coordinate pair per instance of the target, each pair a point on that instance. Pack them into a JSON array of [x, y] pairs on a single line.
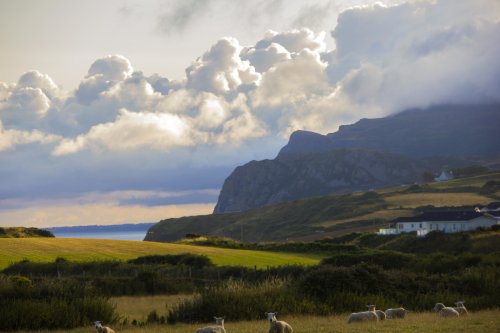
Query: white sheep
[[445, 311], [460, 308], [370, 315], [102, 329], [277, 326], [218, 328], [380, 314], [394, 313]]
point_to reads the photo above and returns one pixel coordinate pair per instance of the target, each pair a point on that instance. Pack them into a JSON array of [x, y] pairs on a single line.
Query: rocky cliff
[[371, 153], [292, 177]]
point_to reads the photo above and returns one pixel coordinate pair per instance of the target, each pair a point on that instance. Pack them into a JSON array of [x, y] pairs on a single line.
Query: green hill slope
[[333, 215]]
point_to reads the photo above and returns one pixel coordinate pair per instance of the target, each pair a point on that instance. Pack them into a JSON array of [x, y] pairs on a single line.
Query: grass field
[[476, 322], [475, 181], [138, 307], [413, 200], [77, 249]]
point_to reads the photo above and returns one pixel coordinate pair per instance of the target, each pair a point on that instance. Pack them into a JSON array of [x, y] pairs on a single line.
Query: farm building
[[443, 221]]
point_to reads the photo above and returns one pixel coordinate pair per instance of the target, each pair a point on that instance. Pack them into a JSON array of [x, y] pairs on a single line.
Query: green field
[[77, 249], [476, 322]]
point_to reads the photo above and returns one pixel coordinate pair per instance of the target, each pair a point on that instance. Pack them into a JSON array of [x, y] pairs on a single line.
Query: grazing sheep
[[460, 308], [445, 311], [219, 328], [102, 329], [380, 314], [394, 313], [277, 326], [370, 315]]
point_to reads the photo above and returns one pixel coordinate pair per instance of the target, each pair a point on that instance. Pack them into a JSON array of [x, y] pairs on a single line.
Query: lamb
[[394, 313], [445, 311], [102, 329], [277, 326], [219, 328], [381, 314], [460, 308], [370, 315]]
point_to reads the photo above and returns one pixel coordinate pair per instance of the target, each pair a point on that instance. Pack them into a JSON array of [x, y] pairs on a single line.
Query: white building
[[444, 176], [442, 221]]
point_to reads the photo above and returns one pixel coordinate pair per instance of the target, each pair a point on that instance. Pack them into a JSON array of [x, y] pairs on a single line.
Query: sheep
[[102, 329], [460, 308], [370, 315], [394, 313], [445, 311], [381, 314], [219, 328], [277, 326]]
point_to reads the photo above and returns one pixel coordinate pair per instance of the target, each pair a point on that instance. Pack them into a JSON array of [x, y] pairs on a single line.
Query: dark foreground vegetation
[[357, 270], [22, 232]]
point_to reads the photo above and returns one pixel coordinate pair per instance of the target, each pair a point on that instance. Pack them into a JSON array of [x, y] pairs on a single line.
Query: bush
[[186, 259], [50, 304], [238, 300]]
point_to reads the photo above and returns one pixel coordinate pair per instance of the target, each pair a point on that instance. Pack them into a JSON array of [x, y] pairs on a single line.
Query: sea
[[119, 235], [135, 232]]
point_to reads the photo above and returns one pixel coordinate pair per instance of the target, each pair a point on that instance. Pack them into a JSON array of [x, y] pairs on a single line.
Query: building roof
[[443, 216]]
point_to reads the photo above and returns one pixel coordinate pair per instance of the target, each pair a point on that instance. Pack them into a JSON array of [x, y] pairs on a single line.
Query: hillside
[[22, 232], [298, 176], [332, 215], [372, 153]]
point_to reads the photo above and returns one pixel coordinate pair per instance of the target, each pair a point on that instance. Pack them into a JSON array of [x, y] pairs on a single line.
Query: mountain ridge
[[449, 130], [366, 155]]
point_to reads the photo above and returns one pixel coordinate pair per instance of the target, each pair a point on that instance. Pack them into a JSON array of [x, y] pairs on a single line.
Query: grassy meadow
[[79, 249], [426, 322]]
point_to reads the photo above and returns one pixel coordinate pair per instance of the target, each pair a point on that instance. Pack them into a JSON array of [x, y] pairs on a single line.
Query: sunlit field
[[77, 249], [476, 322], [413, 200]]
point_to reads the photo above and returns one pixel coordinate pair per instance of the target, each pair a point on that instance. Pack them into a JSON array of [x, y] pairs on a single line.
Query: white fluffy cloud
[[221, 69], [10, 138], [131, 131]]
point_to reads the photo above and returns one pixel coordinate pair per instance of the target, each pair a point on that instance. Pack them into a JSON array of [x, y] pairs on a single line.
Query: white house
[[443, 221], [444, 176]]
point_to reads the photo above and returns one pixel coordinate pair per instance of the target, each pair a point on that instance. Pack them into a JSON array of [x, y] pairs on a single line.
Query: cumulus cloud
[[292, 81], [103, 74], [265, 58], [221, 69], [9, 138], [111, 68], [130, 131], [294, 40], [35, 79], [416, 54]]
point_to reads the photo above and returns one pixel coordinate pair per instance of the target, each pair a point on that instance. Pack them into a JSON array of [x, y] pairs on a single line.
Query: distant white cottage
[[444, 176], [443, 221]]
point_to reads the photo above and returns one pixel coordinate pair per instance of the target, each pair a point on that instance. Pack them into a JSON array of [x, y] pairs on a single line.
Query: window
[[412, 226], [420, 226], [430, 226], [400, 226]]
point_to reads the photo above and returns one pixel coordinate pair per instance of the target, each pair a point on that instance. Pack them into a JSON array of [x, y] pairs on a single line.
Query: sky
[[135, 111]]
